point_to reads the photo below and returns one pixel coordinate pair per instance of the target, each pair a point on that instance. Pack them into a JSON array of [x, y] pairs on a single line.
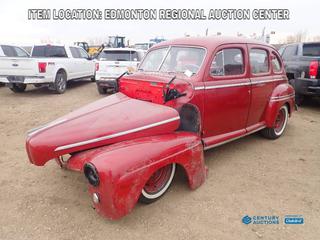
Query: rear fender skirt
[[282, 94], [124, 168]]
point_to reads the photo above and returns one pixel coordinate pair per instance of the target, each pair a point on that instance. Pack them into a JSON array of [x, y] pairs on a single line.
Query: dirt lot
[[251, 176]]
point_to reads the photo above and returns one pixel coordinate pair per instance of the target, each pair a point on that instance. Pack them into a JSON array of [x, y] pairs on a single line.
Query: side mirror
[[135, 60]]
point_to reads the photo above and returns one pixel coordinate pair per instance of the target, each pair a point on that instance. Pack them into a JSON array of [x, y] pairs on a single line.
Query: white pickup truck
[[49, 65]]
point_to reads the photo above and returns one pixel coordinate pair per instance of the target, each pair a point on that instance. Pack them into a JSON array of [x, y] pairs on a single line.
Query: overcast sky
[[17, 29]]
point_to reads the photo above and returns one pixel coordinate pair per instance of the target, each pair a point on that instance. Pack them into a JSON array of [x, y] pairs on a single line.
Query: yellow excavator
[[114, 42]]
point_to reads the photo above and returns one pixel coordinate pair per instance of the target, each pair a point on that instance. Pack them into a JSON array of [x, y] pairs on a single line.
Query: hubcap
[[280, 121], [158, 180]]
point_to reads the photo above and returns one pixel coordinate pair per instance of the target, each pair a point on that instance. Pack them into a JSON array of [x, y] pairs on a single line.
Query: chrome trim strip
[[266, 81], [237, 84], [199, 88], [115, 134], [281, 98], [43, 127], [228, 85], [285, 96], [232, 139]]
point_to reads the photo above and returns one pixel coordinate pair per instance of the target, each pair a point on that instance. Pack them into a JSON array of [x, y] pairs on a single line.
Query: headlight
[[91, 174]]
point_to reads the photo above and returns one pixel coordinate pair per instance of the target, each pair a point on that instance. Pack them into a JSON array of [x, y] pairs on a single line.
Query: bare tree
[[298, 37]]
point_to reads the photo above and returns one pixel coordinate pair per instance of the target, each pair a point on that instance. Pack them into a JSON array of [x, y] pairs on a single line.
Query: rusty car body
[[189, 95]]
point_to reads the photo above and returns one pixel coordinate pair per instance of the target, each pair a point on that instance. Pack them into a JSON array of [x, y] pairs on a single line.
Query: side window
[[259, 61], [227, 62], [9, 51], [20, 52], [74, 52], [289, 52], [276, 63], [82, 53]]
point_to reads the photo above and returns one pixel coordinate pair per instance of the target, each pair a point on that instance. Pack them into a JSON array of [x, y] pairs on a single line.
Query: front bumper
[[306, 86], [25, 79]]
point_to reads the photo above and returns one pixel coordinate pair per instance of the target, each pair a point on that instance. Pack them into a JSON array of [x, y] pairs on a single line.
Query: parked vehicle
[[113, 62], [301, 61], [49, 65], [144, 46], [190, 95]]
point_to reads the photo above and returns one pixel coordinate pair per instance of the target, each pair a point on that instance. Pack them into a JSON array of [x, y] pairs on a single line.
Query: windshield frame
[[166, 54]]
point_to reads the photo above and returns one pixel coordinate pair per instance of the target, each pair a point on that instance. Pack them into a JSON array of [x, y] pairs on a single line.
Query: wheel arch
[[283, 94], [122, 179], [62, 70], [190, 118]]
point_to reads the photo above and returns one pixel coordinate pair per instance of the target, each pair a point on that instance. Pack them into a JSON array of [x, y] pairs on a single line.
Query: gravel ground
[[251, 176]]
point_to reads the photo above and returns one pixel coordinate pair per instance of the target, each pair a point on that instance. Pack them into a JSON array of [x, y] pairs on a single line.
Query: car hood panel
[[112, 119]]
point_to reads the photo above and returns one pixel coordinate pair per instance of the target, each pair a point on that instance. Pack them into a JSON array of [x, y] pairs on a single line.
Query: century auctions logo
[[260, 219], [288, 219]]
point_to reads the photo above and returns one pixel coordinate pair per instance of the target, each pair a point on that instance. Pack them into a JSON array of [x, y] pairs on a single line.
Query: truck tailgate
[[18, 66], [115, 68]]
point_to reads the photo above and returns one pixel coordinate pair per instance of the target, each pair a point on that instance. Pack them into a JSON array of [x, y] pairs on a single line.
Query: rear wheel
[[18, 87], [60, 84], [101, 90], [158, 184], [279, 126]]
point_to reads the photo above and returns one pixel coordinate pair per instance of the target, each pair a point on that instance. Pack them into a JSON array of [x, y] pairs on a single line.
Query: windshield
[[174, 59]]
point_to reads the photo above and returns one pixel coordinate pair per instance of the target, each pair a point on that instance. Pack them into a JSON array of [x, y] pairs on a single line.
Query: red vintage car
[[189, 95]]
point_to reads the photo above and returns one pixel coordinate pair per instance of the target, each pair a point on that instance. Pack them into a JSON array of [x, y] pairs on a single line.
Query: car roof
[[123, 49], [56, 45], [210, 42]]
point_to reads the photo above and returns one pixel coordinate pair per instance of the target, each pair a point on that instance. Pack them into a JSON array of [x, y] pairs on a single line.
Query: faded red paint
[[126, 161]]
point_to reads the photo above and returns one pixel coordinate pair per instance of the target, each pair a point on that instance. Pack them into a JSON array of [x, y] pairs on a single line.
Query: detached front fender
[[282, 94], [124, 168]]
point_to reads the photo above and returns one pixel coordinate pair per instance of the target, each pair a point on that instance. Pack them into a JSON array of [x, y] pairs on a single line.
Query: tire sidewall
[[278, 134], [163, 190], [58, 90]]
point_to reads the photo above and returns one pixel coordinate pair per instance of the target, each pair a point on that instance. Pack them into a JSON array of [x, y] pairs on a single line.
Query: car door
[[86, 63], [227, 94], [75, 63], [262, 84], [290, 55]]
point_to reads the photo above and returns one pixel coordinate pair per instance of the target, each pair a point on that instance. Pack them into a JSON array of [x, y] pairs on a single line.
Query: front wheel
[[158, 184], [18, 87], [279, 126]]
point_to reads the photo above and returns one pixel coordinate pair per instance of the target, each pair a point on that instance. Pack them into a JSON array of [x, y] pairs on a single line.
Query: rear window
[[118, 56], [312, 50], [259, 61], [49, 51], [8, 51]]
